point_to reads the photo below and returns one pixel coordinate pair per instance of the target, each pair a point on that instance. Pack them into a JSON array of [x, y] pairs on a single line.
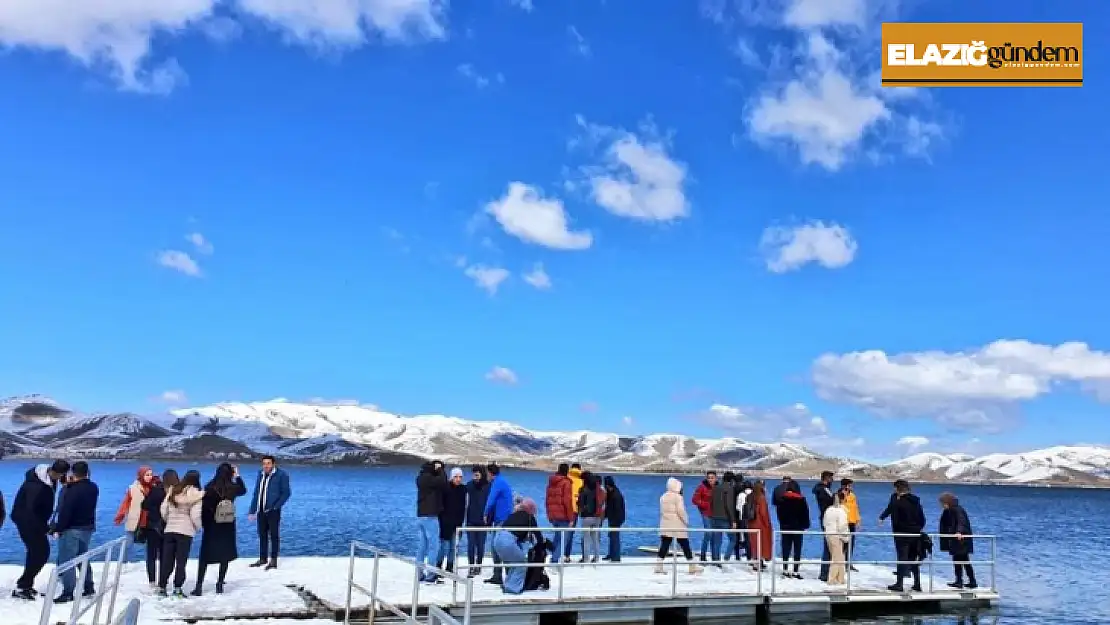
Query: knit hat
[[456, 472]]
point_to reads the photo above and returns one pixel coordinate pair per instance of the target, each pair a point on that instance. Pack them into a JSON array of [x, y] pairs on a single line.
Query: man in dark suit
[[271, 491]]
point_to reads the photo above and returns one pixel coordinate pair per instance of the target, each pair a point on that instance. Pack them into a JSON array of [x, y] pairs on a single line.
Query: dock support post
[[994, 562], [562, 574], [417, 574], [374, 587], [848, 565], [775, 539], [350, 587], [674, 574], [931, 564]]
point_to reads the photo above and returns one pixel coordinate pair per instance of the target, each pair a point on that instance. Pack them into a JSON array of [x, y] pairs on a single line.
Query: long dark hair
[[192, 478], [223, 482], [169, 479]]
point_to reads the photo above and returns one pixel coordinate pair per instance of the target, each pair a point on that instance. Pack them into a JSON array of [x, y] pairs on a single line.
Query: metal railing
[[436, 615], [560, 566], [114, 551], [928, 562], [130, 614]]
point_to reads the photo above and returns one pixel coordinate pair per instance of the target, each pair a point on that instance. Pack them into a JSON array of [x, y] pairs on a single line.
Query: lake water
[[1048, 542]]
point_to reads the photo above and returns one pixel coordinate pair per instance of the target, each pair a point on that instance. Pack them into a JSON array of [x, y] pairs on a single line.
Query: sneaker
[[796, 576], [160, 592], [255, 565], [896, 588], [178, 593], [89, 593], [972, 586], [197, 592], [955, 584], [64, 598], [25, 594]]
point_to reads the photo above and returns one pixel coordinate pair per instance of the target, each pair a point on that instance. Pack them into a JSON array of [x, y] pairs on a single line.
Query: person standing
[[499, 505], [955, 539], [722, 516], [851, 506], [218, 543], [822, 492], [780, 490], [615, 516], [793, 514], [837, 537], [591, 512], [674, 526], [762, 543], [31, 511], [153, 527], [74, 528], [451, 518], [271, 492], [907, 519], [559, 505], [703, 502], [131, 514], [430, 487], [477, 493], [181, 512], [575, 475], [744, 515]]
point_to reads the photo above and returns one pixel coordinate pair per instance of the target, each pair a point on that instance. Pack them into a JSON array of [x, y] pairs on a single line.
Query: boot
[[694, 569], [971, 583], [659, 570], [916, 579]]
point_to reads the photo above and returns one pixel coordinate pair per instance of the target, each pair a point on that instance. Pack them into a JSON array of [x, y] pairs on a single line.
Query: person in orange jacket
[[851, 506]]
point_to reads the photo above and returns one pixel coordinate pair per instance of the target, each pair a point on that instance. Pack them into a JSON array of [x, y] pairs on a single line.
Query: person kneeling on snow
[[513, 543]]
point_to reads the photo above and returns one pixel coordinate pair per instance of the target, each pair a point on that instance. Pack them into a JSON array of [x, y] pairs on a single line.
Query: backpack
[[225, 512], [587, 507], [748, 513]]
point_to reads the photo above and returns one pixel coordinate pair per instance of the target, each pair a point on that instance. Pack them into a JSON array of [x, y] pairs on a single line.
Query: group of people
[[165, 513], [729, 505]]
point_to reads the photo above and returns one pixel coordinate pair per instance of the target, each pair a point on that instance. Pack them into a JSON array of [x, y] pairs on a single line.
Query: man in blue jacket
[[271, 491], [74, 527], [498, 508]]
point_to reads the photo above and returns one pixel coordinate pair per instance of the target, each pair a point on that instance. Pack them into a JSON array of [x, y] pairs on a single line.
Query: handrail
[[130, 614], [82, 604], [436, 615]]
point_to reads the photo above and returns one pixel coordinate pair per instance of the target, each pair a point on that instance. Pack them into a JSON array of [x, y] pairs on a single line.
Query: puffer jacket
[[183, 517], [575, 476], [560, 506], [673, 521]]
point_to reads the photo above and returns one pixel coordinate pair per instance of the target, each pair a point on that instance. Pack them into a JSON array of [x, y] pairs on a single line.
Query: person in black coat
[[430, 486], [451, 518], [615, 515], [793, 515], [31, 511], [955, 539], [907, 519], [218, 542], [477, 495], [823, 494], [154, 529]]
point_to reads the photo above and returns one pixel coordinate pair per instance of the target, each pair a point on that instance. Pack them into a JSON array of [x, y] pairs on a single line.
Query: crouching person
[[513, 542]]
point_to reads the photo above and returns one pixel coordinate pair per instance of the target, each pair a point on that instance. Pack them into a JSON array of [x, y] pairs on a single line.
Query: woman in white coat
[[181, 513], [673, 526], [837, 535]]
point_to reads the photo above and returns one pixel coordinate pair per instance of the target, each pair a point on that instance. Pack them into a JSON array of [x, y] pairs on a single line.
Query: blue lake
[[1047, 538]]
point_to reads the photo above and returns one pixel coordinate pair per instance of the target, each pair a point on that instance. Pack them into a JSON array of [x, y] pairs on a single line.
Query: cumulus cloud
[[174, 397], [180, 262], [628, 421], [978, 390], [790, 248], [116, 35], [912, 443], [527, 215], [793, 424], [466, 70], [489, 279], [635, 177], [200, 244], [538, 278], [502, 375]]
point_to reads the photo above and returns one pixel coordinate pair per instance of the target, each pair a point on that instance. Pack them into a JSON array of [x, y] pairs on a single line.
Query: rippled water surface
[[1052, 550]]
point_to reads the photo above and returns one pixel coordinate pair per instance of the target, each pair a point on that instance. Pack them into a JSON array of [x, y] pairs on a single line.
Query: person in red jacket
[[703, 501], [559, 502]]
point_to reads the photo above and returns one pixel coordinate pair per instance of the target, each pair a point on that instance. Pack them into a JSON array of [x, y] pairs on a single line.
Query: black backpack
[[587, 506], [748, 513]]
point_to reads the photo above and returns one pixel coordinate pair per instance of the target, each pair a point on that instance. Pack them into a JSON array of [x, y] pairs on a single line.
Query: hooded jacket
[[703, 498], [34, 503], [673, 521], [793, 512], [558, 500], [477, 493], [454, 511], [907, 516], [614, 503], [131, 513], [723, 502], [182, 516], [430, 487], [823, 494], [575, 476], [591, 499]]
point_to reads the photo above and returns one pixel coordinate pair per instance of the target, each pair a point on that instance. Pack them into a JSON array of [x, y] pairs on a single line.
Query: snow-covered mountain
[[1054, 464]]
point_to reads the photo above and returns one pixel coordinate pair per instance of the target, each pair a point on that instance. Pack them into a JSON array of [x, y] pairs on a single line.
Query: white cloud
[[502, 375], [581, 46], [627, 421], [201, 244], [467, 71], [179, 261], [976, 390], [486, 278], [116, 35], [525, 5], [818, 13], [524, 213], [175, 397], [636, 177], [912, 443], [794, 424], [790, 248], [538, 278]]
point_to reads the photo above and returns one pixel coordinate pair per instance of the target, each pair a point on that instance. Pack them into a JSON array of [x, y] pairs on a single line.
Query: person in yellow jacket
[[852, 507], [575, 475]]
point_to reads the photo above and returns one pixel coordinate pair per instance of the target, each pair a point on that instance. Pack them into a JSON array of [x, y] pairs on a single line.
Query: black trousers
[[826, 558], [962, 563], [792, 544], [175, 555], [38, 553], [683, 543], [908, 549], [153, 555], [851, 541], [221, 576], [269, 534]]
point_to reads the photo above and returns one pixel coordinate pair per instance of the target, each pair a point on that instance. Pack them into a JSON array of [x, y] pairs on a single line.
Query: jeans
[[614, 544], [38, 553], [557, 539], [705, 536], [428, 527], [591, 540], [269, 534], [732, 545], [74, 543], [475, 547], [446, 553], [568, 538], [715, 537], [506, 549]]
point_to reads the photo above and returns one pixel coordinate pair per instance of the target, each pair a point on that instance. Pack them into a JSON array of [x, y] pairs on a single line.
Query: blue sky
[[218, 200]]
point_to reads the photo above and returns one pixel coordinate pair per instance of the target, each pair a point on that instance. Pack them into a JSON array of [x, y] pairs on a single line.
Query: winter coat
[[34, 502], [835, 522], [183, 516], [575, 476], [823, 495], [499, 504], [477, 493], [557, 499], [591, 500], [778, 493], [130, 513], [851, 506], [723, 502], [430, 487], [954, 520], [3, 510], [152, 509], [889, 507], [673, 521], [907, 516], [522, 519], [793, 512], [741, 501], [614, 504], [703, 498], [454, 511], [762, 522], [218, 543], [77, 508]]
